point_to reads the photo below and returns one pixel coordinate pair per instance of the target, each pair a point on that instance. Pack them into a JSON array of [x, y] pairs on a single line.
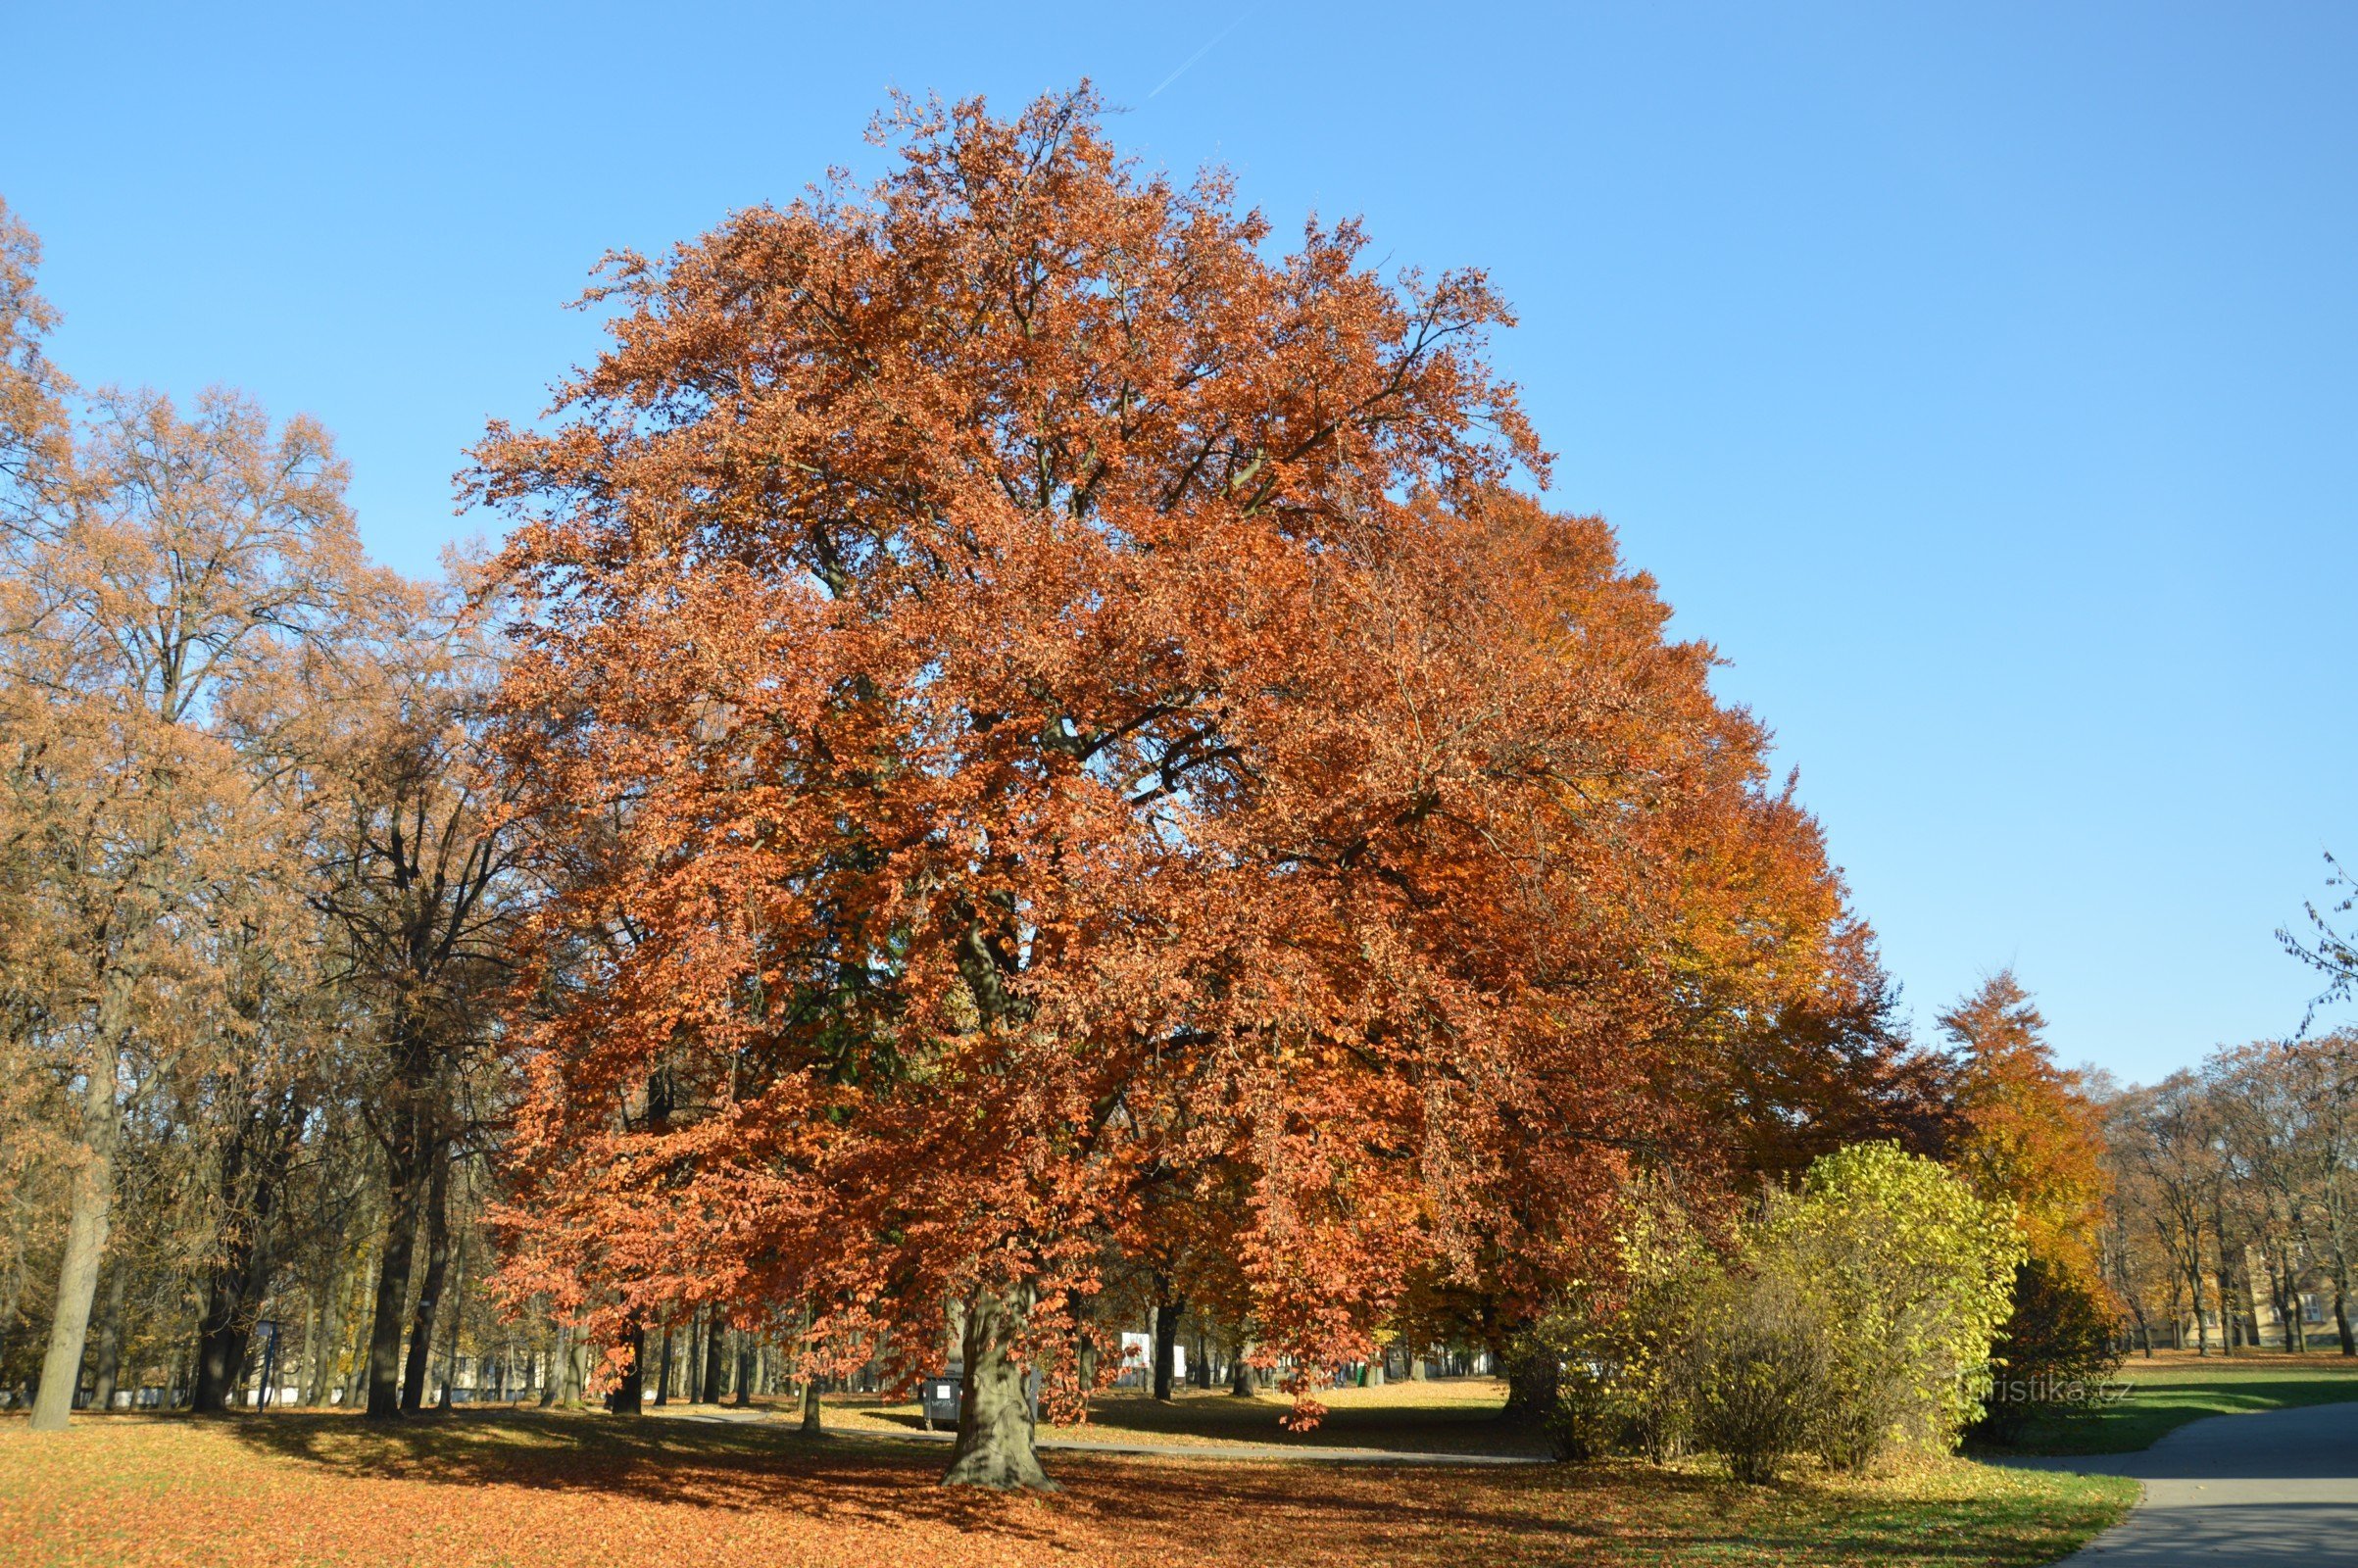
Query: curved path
[[2278, 1486]]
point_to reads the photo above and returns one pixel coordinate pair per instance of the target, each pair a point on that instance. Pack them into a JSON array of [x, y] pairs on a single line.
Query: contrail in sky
[[1197, 54]]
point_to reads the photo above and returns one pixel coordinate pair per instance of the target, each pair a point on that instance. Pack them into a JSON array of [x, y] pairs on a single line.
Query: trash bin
[[939, 1398]]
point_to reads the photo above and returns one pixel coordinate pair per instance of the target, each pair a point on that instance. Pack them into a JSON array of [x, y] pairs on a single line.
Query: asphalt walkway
[[2276, 1487]]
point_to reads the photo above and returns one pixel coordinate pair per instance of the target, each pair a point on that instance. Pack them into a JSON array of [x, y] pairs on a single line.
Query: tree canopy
[[1051, 707]]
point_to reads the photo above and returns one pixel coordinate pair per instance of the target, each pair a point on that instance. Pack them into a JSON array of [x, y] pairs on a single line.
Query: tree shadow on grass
[[735, 1466], [1984, 1530], [1198, 1416], [1153, 1509], [1213, 1509], [2152, 1411]]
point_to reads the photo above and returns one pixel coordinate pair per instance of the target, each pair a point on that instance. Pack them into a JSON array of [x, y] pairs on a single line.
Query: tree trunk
[[324, 1346], [251, 1182], [715, 1344], [1166, 1338], [814, 1411], [745, 1370], [663, 1375], [437, 1267], [2341, 1318], [110, 1340], [560, 1363], [2230, 1324], [402, 1200], [629, 1395], [90, 1199], [223, 1335], [356, 1378], [1239, 1373], [995, 1445], [458, 1329]]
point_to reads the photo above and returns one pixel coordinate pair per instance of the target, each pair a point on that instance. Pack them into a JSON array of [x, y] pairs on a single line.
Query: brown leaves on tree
[[1054, 721]]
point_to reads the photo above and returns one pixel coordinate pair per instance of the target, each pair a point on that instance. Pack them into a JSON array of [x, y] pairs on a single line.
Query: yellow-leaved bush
[[1846, 1318]]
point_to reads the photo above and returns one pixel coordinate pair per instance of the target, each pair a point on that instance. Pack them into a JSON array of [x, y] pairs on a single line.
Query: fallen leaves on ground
[[528, 1490]]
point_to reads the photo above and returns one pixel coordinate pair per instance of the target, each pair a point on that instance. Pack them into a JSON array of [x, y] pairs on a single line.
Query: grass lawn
[[2178, 1387], [499, 1487]]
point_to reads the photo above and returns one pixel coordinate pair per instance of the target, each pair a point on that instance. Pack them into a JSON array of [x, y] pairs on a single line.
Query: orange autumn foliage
[[1045, 708], [2027, 1132]]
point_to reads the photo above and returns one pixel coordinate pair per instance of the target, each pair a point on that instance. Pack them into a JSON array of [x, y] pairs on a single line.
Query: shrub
[[1915, 1274], [1616, 1355], [1758, 1369], [2054, 1353], [1591, 1415], [1846, 1317]]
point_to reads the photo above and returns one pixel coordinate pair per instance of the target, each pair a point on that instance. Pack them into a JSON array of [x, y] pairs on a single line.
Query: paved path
[[2278, 1486], [1160, 1450]]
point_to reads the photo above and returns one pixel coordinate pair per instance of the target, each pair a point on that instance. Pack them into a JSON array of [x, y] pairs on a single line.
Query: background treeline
[[2230, 1222], [254, 902]]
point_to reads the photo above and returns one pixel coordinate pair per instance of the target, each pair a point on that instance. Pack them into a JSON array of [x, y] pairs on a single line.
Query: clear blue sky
[[1983, 380]]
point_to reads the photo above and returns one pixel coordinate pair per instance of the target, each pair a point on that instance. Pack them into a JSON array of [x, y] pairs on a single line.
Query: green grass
[[2158, 1396]]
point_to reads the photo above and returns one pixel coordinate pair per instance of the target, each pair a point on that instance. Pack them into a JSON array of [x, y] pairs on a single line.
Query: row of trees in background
[[2230, 1223], [254, 902], [1021, 765]]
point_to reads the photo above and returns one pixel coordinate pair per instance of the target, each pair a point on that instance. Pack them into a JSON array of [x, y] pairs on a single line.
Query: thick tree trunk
[[110, 1340], [437, 1267], [90, 1199], [814, 1422], [1166, 1338], [403, 1167], [745, 1369], [629, 1396], [1239, 1373], [662, 1377], [221, 1359], [560, 1363], [995, 1445]]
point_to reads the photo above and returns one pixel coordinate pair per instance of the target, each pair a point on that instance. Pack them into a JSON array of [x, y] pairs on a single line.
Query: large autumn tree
[[1050, 720]]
